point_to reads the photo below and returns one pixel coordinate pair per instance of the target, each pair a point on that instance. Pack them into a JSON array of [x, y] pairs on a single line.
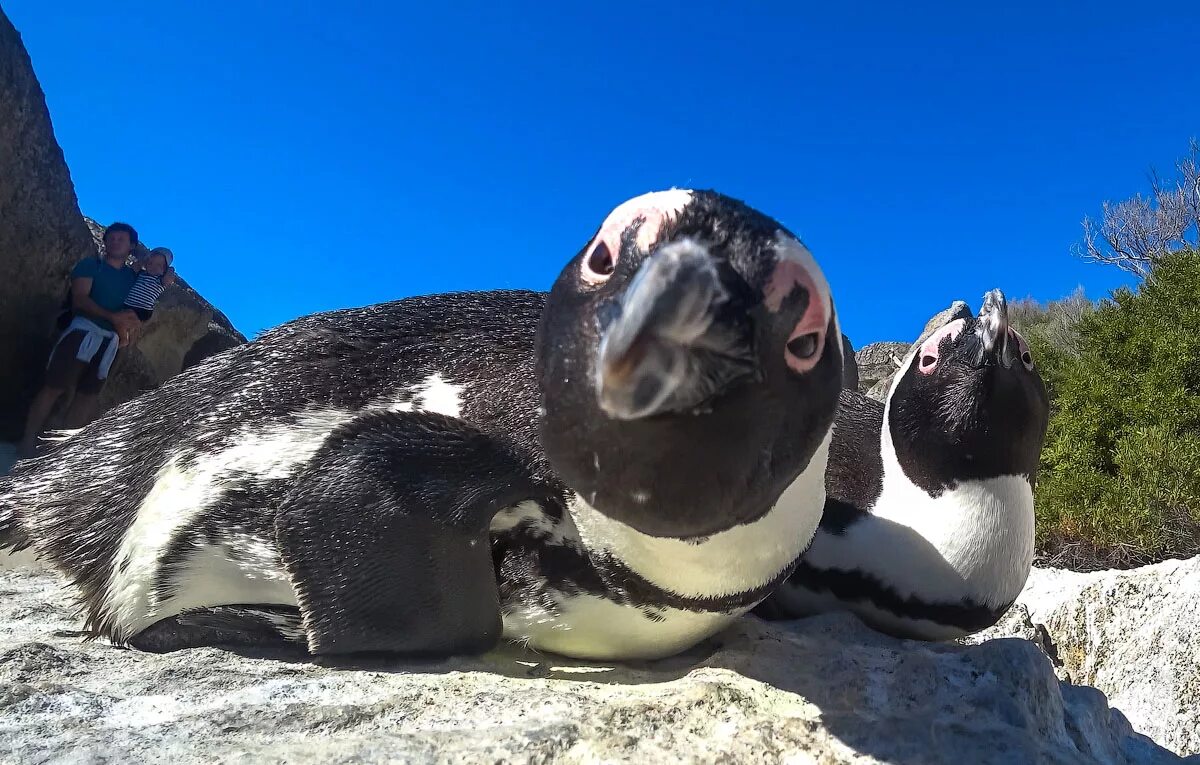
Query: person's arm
[[81, 302]]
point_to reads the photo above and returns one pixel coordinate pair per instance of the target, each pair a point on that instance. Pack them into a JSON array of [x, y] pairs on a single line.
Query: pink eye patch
[[655, 209], [930, 351], [807, 339], [796, 269]]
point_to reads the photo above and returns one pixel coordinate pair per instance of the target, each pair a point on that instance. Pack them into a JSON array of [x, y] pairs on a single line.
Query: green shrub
[[1119, 483], [1052, 331]]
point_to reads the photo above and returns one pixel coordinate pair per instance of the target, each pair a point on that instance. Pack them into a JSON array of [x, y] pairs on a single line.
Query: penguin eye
[[599, 264], [1023, 347], [803, 347]]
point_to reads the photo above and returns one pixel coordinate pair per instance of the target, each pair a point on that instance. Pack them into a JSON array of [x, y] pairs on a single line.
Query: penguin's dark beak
[[671, 343], [993, 331]]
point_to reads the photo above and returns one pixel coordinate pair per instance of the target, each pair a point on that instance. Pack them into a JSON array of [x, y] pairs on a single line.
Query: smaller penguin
[[927, 531]]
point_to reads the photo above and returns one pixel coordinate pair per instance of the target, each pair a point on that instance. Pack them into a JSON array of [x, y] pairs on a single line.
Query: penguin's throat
[[739, 558]]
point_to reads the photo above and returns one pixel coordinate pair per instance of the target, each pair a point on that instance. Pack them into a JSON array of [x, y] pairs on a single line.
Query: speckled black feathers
[[854, 477], [80, 499]]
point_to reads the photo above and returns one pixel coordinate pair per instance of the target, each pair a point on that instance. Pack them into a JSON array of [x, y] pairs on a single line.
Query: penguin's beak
[[671, 342], [993, 331]]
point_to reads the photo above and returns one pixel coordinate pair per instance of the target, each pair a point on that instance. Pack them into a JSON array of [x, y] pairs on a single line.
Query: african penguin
[[928, 525], [615, 469]]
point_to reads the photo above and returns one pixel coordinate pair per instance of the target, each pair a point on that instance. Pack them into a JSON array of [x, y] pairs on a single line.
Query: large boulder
[[825, 690], [1133, 634], [878, 361], [849, 365], [42, 234]]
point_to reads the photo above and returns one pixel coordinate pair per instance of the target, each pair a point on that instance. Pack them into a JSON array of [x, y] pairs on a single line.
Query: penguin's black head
[[690, 361], [969, 403]]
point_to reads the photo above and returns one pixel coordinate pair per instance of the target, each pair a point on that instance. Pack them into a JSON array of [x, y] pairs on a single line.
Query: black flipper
[[255, 625], [385, 536]]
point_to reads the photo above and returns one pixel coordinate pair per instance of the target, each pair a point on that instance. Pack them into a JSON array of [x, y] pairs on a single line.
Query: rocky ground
[[1133, 634], [824, 690]]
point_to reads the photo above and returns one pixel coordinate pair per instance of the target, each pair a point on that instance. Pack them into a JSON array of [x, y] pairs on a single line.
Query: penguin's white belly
[[183, 491], [711, 573], [974, 541], [804, 601], [239, 571], [971, 546], [591, 627], [243, 569]]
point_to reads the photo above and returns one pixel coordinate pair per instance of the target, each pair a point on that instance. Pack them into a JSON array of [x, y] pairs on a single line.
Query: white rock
[[823, 690], [1133, 634]]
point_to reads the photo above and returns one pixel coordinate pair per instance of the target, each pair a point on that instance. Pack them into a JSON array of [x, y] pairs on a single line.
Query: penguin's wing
[[385, 535], [854, 475]]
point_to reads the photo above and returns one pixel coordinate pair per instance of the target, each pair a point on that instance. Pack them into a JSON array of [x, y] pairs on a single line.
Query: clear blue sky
[[299, 157]]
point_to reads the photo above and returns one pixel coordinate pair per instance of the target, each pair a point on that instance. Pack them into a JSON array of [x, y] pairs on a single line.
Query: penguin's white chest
[[592, 627], [974, 541], [691, 589], [917, 558]]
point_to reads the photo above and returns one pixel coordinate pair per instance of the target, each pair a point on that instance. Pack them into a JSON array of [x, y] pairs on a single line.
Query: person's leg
[[62, 372], [35, 421], [81, 411], [87, 393]]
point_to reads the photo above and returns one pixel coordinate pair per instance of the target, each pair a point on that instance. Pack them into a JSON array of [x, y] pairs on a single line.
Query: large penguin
[[615, 469], [928, 525]]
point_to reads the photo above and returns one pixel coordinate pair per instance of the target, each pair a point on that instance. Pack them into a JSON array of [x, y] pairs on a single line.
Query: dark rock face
[[850, 366], [42, 233]]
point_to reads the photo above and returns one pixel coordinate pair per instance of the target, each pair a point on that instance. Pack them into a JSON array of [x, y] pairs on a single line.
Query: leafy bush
[[1119, 483]]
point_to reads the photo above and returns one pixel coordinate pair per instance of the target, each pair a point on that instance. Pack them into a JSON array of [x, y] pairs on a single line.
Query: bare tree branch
[[1135, 233]]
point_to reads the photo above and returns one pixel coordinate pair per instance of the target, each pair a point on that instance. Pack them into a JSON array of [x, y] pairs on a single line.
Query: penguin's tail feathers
[[12, 534]]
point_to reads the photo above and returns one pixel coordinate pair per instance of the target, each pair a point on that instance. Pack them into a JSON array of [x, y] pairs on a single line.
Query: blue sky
[[299, 157]]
